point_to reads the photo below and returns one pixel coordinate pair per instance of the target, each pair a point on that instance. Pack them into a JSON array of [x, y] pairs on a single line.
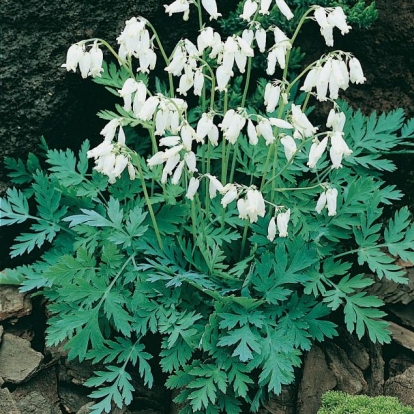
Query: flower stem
[[137, 162]]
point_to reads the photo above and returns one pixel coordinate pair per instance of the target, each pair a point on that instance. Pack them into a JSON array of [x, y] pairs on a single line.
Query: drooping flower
[[271, 97], [265, 6], [355, 71], [328, 19], [72, 57], [109, 129], [303, 127], [214, 186], [192, 188], [96, 60], [289, 146], [284, 9], [252, 207], [211, 8], [252, 133], [327, 199], [271, 229], [339, 149], [178, 6], [337, 18], [230, 195], [85, 63], [260, 36], [249, 10], [282, 221], [316, 151], [129, 87], [264, 129]]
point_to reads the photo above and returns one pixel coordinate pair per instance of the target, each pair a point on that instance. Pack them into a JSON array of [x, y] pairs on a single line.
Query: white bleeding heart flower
[[282, 221]]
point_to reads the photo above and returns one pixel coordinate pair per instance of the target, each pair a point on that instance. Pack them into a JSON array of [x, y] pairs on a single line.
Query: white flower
[[72, 57], [282, 221], [148, 108], [213, 135], [316, 151], [178, 6], [271, 97], [339, 149], [248, 36], [321, 203], [192, 188], [121, 163], [214, 186], [130, 38], [177, 173], [264, 129], [260, 37], [264, 6], [131, 171], [211, 8], [121, 136], [252, 206], [229, 196], [186, 81], [355, 71], [331, 198], [190, 160], [109, 129], [204, 125], [337, 18], [178, 61], [85, 64], [280, 123], [289, 146], [249, 10], [252, 133], [223, 76], [231, 125], [198, 82], [128, 88], [323, 80], [271, 229], [284, 9], [336, 120], [187, 136], [205, 39], [278, 52], [303, 127], [170, 141], [328, 199], [326, 28], [139, 98], [311, 79], [104, 148], [96, 60]]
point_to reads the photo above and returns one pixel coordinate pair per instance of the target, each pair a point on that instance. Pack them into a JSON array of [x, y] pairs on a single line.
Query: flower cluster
[[166, 116], [111, 159], [135, 40], [89, 62], [333, 74]]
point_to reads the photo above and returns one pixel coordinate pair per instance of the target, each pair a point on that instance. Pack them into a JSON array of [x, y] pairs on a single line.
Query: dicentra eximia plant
[[218, 222]]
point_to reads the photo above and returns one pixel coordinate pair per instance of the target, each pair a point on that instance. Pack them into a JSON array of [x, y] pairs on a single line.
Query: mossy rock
[[335, 402]]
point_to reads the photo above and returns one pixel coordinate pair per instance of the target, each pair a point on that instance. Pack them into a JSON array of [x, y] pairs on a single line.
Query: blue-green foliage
[[230, 330]]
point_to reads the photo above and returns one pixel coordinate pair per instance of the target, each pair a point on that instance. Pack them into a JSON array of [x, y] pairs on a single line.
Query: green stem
[[244, 239], [137, 162], [164, 55], [246, 86]]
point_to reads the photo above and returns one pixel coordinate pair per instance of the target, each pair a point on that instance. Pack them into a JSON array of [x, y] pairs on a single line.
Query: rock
[[391, 292], [7, 404], [376, 370], [18, 361], [399, 364], [1, 332], [284, 403], [354, 349], [316, 380], [402, 387], [35, 403], [349, 377], [403, 312], [73, 397], [45, 383], [402, 336], [85, 408], [13, 304]]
